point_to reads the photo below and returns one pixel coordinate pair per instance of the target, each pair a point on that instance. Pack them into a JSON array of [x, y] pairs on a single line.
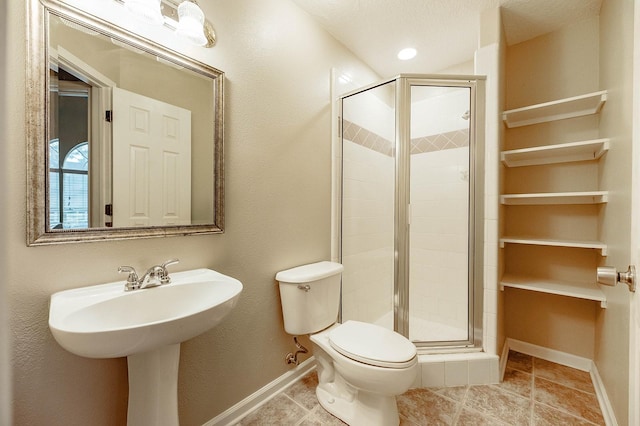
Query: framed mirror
[[124, 136]]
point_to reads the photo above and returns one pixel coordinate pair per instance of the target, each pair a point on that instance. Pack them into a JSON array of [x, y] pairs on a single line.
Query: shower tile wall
[[439, 243], [368, 205], [367, 243]]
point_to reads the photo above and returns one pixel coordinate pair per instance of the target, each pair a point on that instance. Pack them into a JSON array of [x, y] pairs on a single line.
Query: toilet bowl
[[361, 366], [359, 384]]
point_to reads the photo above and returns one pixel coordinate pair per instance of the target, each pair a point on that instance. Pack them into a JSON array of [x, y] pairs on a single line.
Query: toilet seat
[[372, 344]]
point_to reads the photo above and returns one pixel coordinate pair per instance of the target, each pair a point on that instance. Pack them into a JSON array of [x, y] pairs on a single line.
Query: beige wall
[[553, 66], [277, 149], [616, 69], [5, 346]]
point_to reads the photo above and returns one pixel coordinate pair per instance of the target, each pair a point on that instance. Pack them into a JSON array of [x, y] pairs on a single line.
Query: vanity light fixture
[[184, 17], [146, 10], [191, 23], [406, 54]]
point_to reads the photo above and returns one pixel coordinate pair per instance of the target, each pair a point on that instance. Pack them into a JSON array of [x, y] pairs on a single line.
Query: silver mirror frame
[[37, 113]]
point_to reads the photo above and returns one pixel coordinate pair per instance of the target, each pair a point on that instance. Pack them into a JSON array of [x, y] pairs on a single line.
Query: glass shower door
[[368, 194], [439, 191]]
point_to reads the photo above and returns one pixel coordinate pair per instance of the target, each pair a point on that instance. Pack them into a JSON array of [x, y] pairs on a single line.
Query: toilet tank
[[310, 296]]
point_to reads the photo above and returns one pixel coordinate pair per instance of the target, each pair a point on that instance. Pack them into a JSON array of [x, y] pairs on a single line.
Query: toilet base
[[363, 409]]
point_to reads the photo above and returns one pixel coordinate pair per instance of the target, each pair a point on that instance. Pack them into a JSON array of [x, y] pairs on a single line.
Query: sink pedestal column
[[153, 387]]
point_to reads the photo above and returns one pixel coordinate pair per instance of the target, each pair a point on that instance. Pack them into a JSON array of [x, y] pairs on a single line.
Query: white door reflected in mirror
[[151, 162]]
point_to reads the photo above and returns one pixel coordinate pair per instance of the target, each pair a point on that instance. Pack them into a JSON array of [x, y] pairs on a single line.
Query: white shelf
[[557, 198], [561, 109], [597, 245], [562, 288], [552, 154]]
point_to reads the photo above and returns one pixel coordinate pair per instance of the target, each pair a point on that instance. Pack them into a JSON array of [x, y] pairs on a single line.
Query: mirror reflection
[[130, 135]]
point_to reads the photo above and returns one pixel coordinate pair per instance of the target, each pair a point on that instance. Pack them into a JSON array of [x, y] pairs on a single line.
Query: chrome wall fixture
[[608, 275], [186, 18]]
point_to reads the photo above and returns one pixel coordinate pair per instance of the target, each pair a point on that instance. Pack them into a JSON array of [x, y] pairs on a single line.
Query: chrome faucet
[[155, 276]]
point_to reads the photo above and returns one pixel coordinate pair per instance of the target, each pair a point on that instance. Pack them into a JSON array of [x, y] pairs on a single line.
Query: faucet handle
[[169, 262], [165, 278], [132, 279]]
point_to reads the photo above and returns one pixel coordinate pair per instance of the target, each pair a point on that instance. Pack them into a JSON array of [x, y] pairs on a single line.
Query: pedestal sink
[[147, 326]]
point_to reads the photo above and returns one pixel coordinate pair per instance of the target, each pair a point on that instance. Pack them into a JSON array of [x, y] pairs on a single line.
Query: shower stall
[[411, 201]]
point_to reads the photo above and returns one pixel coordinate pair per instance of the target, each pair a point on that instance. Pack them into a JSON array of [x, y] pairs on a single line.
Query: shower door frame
[[404, 82]]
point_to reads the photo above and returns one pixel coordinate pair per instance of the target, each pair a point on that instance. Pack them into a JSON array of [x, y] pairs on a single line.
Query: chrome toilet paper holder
[[607, 275]]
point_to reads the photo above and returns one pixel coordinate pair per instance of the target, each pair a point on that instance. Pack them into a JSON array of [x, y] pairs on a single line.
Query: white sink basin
[[104, 321]]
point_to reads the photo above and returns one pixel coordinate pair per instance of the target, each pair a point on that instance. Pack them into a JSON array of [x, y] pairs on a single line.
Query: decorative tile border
[[361, 136], [439, 142]]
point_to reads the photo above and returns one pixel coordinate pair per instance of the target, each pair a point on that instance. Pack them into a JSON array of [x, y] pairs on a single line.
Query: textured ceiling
[[445, 32]]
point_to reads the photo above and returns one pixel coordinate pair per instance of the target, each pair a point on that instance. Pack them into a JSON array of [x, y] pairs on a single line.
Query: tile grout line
[[460, 407], [567, 386], [533, 393], [307, 411], [555, 382], [563, 411], [479, 413]]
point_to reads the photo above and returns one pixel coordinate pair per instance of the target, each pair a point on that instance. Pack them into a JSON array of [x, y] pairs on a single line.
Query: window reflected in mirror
[[69, 186], [69, 128]]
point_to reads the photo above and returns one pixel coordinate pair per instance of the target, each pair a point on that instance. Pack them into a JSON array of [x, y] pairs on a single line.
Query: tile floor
[[534, 392]]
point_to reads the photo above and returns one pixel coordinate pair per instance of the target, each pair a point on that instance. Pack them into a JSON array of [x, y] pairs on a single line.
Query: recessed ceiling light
[[406, 54]]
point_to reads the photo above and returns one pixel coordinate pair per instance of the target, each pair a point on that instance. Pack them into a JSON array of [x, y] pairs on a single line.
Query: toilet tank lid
[[311, 272]]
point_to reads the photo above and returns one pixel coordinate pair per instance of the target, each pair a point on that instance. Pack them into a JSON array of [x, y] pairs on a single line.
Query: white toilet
[[361, 367]]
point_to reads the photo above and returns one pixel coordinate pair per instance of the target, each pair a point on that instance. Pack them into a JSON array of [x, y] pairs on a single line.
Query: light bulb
[[191, 23]]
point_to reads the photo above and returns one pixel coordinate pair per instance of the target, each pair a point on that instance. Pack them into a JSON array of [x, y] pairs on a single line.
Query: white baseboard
[[503, 359], [603, 399], [569, 360], [563, 358], [262, 395]]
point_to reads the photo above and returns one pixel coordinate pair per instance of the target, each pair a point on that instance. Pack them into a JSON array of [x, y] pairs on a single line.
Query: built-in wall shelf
[[561, 109], [552, 154], [596, 245], [558, 198], [579, 290]]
